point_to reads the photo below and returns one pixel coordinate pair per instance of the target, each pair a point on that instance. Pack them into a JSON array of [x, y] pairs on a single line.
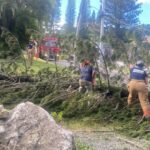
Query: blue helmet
[[140, 63]]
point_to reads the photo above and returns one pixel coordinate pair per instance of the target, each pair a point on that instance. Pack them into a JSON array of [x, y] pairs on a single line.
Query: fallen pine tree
[[58, 92]]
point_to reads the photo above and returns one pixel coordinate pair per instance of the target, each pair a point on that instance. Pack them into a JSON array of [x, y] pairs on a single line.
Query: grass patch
[[129, 128], [20, 66], [85, 124], [36, 66], [82, 146]]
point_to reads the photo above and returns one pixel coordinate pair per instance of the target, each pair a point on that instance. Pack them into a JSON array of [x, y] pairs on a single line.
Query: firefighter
[[87, 74], [138, 86], [30, 51], [36, 49]]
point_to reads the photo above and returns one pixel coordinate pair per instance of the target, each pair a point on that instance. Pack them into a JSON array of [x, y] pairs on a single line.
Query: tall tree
[[70, 15], [120, 16], [18, 16], [56, 11], [93, 17], [83, 18]]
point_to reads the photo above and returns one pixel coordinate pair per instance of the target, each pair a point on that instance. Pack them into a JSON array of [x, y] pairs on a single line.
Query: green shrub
[[57, 116]]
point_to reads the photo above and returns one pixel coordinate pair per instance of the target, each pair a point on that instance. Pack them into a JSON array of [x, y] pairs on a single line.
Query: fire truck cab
[[49, 49]]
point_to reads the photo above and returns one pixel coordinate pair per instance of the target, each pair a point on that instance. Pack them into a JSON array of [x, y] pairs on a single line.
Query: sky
[[144, 16]]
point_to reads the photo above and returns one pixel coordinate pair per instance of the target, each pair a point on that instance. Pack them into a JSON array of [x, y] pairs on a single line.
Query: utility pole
[[101, 44], [102, 23], [78, 26], [77, 36]]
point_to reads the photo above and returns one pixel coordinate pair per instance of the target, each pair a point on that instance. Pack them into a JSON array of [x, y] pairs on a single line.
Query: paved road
[[64, 63]]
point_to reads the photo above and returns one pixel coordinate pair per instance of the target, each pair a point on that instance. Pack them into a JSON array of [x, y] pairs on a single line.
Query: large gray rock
[[29, 127]]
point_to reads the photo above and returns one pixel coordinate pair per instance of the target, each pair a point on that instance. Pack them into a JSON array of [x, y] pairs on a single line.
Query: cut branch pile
[[58, 92]]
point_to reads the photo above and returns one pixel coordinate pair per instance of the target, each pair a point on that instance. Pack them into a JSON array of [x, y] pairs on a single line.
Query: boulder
[[29, 127]]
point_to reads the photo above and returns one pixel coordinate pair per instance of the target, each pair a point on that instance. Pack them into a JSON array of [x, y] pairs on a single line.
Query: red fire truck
[[49, 48]]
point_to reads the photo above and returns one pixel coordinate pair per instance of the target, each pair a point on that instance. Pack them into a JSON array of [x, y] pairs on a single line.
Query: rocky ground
[[109, 141]]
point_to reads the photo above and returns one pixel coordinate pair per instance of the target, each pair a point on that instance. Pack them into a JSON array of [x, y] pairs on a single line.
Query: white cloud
[[144, 1]]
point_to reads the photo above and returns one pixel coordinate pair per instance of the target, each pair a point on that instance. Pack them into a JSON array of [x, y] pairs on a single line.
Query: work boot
[[80, 89]]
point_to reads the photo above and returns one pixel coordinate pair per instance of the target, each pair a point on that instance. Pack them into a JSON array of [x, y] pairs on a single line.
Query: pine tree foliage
[[84, 11], [83, 18], [70, 14], [121, 14], [56, 11], [138, 43], [93, 17], [87, 50]]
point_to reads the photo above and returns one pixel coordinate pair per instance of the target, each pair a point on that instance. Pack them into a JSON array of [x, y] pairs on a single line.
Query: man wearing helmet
[[87, 75], [138, 87]]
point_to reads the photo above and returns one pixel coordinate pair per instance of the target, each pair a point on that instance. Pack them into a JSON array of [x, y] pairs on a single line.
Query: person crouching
[[138, 87]]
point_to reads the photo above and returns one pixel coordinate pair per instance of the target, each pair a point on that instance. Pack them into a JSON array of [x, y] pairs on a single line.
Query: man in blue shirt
[[138, 87], [87, 75]]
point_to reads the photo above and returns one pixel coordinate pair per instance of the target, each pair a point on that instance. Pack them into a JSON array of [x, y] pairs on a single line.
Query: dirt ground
[[110, 141]]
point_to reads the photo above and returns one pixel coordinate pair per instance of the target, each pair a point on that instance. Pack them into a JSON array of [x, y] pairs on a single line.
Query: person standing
[[87, 75], [36, 52], [138, 86], [30, 52]]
